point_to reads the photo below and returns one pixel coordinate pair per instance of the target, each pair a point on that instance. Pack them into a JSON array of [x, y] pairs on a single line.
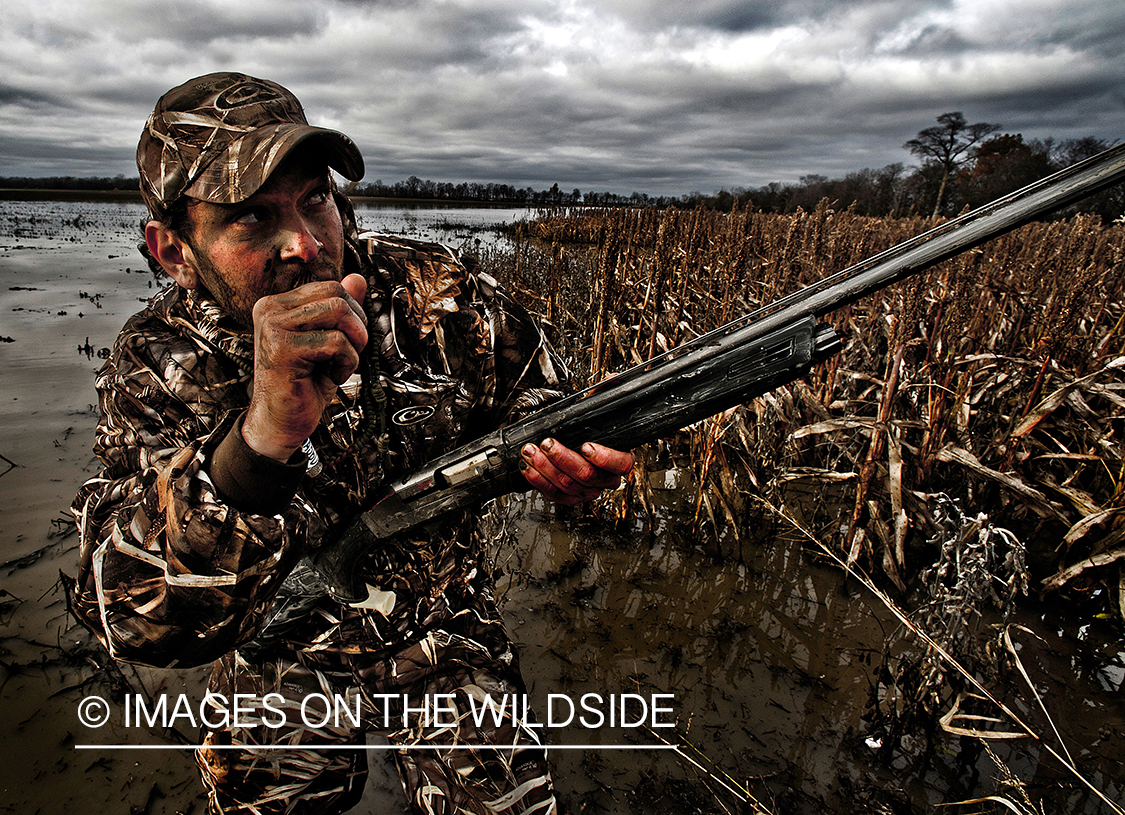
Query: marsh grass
[[997, 378], [965, 447]]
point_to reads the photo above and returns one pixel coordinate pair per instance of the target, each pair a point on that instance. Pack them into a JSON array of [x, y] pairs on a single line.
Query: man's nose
[[299, 241]]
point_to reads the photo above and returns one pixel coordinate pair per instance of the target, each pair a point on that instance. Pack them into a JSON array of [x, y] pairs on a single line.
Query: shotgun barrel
[[751, 355]]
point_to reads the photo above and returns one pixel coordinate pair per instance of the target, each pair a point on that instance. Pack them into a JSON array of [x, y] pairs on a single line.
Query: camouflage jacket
[[177, 570]]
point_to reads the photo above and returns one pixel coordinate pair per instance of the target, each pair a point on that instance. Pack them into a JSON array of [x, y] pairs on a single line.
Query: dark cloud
[[1101, 33], [27, 97], [35, 158], [738, 16], [624, 95], [194, 22]]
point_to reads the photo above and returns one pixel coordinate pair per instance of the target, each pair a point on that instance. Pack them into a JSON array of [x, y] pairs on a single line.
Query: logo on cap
[[248, 93]]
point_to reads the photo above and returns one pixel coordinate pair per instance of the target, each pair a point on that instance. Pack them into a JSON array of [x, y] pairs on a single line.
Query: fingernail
[[524, 466], [528, 451], [587, 450], [547, 445]]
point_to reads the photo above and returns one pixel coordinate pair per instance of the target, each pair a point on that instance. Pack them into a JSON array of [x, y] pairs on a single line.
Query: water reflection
[[771, 661], [455, 224], [742, 646]]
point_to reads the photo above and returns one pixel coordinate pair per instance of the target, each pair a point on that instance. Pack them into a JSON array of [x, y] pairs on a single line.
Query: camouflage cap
[[218, 137]]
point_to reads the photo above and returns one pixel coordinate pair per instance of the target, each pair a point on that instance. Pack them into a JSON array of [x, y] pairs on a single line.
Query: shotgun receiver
[[732, 364]]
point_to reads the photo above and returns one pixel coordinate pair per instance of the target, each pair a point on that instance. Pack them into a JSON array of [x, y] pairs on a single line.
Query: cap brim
[[246, 163]]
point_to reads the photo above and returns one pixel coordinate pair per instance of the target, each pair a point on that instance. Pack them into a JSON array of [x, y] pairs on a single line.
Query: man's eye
[[250, 217], [317, 198]]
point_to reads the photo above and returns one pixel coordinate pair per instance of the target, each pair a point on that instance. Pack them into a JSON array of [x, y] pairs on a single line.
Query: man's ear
[[172, 253]]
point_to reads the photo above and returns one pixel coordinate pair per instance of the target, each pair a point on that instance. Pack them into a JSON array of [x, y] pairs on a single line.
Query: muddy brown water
[[764, 662]]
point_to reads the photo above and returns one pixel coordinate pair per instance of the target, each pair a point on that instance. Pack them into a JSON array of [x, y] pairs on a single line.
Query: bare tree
[[947, 145]]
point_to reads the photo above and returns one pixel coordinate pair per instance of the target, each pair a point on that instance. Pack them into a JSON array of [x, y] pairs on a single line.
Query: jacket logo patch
[[413, 415]]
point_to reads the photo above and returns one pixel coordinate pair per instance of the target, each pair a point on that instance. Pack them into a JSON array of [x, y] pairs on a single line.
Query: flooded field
[[766, 655]]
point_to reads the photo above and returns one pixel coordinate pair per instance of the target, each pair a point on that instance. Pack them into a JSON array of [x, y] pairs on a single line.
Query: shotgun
[[732, 364]]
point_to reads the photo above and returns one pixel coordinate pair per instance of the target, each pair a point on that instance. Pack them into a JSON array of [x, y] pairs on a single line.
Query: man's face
[[285, 235]]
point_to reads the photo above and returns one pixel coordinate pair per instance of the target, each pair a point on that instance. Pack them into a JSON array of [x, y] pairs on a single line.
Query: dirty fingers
[[570, 477]]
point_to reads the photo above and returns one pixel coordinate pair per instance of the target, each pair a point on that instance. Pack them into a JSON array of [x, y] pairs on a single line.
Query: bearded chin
[[281, 279]]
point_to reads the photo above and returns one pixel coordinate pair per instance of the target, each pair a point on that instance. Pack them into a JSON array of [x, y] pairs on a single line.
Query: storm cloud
[[626, 95]]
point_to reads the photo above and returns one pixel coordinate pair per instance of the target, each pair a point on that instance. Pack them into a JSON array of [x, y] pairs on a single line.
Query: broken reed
[[990, 378]]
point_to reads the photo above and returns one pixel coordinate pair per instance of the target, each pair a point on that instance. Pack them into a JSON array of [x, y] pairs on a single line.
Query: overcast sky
[[626, 95]]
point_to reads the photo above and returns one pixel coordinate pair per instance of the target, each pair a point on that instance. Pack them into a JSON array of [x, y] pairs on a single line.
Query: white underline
[[252, 747]]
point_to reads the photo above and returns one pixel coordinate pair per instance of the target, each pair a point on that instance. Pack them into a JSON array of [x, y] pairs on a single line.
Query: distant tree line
[[962, 165], [67, 182], [426, 190], [412, 188]]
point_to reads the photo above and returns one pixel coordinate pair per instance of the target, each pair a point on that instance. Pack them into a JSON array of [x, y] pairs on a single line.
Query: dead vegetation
[[965, 448], [997, 379]]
